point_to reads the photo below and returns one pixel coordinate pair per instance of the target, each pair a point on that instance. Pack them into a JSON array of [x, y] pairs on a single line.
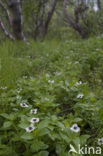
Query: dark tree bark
[[48, 19], [79, 11], [74, 22], [16, 11], [39, 17], [99, 4]]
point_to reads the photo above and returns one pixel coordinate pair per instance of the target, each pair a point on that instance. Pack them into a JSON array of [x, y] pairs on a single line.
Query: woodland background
[[51, 77]]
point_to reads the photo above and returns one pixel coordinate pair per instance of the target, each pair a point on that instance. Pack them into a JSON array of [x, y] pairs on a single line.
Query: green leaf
[[38, 145], [27, 136], [77, 119], [65, 138], [83, 139], [10, 116], [44, 153], [61, 125], [54, 118], [43, 124], [60, 148], [7, 124], [76, 141], [5, 115], [43, 132], [23, 125]]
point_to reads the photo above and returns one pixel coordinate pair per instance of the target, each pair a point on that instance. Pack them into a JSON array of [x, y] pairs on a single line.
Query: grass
[[20, 59]]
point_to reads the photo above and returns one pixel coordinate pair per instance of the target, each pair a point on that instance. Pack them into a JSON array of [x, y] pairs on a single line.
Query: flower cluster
[[75, 128], [33, 120]]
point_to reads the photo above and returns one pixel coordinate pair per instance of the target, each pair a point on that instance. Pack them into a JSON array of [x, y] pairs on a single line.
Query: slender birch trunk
[[5, 31], [16, 12]]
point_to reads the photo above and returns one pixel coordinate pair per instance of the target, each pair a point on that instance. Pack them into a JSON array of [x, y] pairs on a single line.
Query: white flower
[[19, 90], [25, 77], [34, 120], [3, 88], [19, 58], [30, 128], [51, 81], [47, 75], [46, 99], [57, 73], [100, 141], [76, 62], [69, 63], [24, 105], [28, 43], [28, 56], [78, 83], [18, 97], [33, 111], [80, 96], [67, 57], [75, 128]]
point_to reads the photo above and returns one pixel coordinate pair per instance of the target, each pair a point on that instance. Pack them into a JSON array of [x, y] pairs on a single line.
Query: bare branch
[[7, 13], [49, 16], [74, 23], [5, 31]]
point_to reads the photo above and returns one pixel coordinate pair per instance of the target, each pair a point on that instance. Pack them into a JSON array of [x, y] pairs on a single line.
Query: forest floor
[[64, 81]]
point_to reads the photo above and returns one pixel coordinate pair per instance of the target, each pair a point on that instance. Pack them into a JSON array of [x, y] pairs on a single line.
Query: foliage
[[62, 80], [90, 21]]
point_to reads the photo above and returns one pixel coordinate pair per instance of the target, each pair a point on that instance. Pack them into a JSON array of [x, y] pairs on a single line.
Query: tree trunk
[[74, 23], [39, 17], [99, 4], [16, 11], [48, 19]]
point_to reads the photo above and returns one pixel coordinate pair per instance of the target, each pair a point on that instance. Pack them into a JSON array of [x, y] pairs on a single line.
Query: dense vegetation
[[51, 89]]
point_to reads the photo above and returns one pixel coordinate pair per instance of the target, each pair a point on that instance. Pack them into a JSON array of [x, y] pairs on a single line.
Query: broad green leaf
[[43, 124], [44, 153], [77, 119], [38, 145], [43, 132], [27, 136], [7, 124], [23, 125], [83, 139]]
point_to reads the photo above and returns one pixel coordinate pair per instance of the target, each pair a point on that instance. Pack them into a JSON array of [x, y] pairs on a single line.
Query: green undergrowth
[[63, 80]]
